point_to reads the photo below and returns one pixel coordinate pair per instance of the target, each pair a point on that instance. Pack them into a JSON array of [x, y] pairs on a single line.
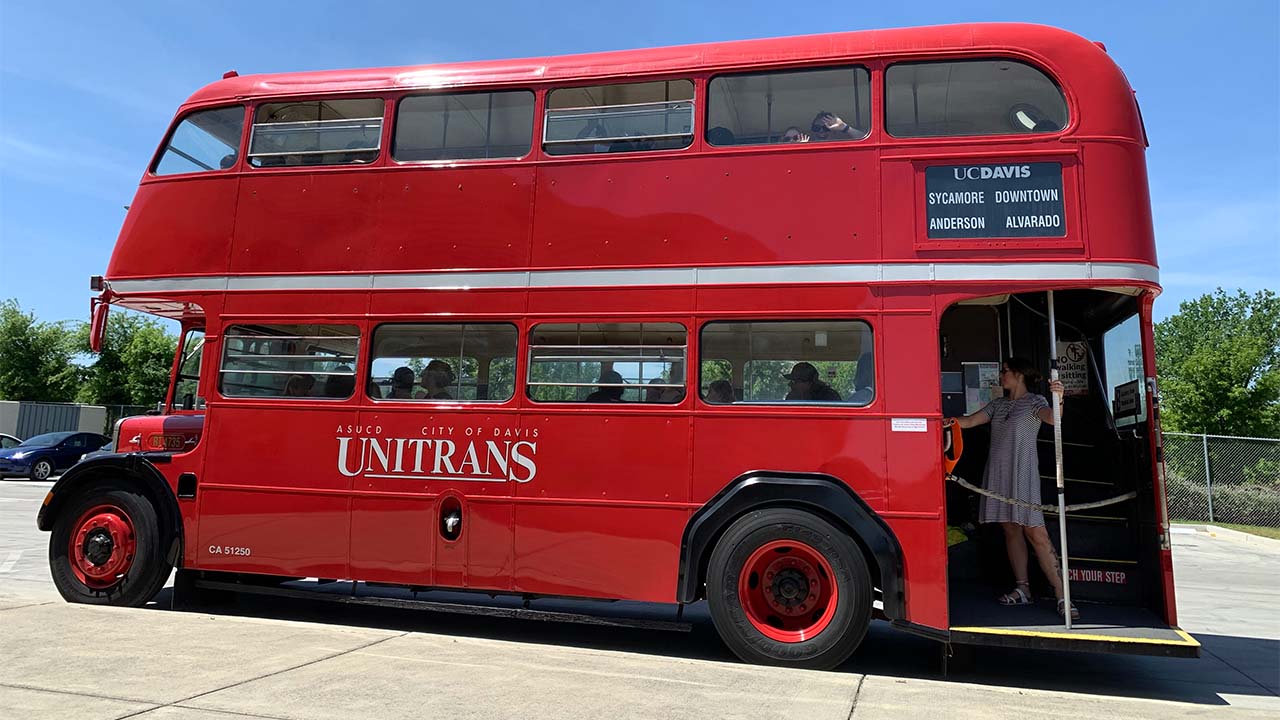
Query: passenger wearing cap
[[805, 385], [437, 377], [610, 389]]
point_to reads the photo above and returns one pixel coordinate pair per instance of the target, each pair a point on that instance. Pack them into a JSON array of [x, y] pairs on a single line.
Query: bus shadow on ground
[[1228, 665]]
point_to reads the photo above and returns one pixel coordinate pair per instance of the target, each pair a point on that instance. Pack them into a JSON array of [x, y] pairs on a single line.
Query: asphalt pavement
[[279, 658]]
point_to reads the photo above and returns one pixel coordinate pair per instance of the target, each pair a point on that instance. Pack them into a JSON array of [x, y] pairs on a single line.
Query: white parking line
[[10, 561]]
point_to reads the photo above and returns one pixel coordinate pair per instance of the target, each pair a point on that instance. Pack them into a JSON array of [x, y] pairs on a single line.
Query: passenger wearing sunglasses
[[828, 126]]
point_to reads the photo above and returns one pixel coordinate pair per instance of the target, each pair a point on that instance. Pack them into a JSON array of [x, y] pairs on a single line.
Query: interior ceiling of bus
[[609, 334], [428, 341], [622, 94], [1092, 310], [811, 341]]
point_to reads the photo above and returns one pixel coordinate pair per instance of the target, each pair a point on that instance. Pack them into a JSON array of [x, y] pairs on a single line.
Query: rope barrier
[[1043, 508]]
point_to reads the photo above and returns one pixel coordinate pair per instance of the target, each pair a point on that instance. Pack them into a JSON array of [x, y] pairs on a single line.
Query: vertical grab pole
[[1057, 457]]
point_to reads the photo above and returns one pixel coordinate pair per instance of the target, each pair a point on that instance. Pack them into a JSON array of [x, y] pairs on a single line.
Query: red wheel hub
[[103, 545], [788, 591]]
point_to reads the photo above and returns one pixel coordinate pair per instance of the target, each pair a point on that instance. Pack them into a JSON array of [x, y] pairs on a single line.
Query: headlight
[[19, 456]]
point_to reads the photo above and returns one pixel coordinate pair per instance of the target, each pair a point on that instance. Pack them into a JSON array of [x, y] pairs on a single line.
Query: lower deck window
[[607, 363], [443, 362], [811, 362], [290, 361]]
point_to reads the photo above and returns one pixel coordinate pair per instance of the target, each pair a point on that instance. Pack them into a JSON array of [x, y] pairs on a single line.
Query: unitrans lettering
[[438, 459], [991, 172]]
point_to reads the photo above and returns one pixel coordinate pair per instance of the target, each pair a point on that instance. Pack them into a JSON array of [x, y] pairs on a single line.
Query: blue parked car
[[44, 455]]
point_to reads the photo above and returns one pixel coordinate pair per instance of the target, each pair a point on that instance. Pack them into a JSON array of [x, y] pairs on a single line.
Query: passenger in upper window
[[794, 134], [720, 392], [401, 384], [828, 126], [719, 135], [606, 394], [340, 385], [654, 394], [299, 385], [437, 376], [805, 385]]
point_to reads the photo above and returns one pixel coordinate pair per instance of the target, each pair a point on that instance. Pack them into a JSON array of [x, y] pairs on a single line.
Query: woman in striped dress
[[1013, 470]]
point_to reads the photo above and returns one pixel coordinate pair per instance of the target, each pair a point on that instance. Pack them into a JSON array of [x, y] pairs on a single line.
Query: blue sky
[[87, 90]]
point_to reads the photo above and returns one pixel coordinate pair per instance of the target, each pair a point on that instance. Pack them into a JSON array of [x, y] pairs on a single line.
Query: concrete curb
[[1229, 534]]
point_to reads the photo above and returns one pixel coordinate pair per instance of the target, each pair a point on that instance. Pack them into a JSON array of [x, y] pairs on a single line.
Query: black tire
[[834, 643], [145, 575], [42, 469]]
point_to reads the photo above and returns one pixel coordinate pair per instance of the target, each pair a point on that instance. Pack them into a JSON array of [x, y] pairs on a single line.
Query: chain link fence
[[1217, 478], [115, 412]]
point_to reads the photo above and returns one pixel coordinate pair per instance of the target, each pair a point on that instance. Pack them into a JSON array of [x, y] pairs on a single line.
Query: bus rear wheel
[[786, 587], [105, 548]]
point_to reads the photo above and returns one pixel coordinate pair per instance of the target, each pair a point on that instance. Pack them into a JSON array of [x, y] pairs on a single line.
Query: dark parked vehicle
[[44, 455], [108, 449]]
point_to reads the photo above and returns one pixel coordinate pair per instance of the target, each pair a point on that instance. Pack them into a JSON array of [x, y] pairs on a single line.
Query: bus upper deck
[[961, 144]]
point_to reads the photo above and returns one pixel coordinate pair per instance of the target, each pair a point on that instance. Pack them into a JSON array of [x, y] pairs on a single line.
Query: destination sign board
[[1016, 200]]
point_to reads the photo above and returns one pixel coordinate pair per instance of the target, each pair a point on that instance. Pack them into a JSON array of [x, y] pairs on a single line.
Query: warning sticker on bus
[[995, 201]]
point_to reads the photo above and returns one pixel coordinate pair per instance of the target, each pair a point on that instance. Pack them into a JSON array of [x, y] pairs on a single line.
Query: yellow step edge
[[1186, 641]]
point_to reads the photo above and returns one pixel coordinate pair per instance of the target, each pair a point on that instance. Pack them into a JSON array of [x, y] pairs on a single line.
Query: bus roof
[[1056, 48]]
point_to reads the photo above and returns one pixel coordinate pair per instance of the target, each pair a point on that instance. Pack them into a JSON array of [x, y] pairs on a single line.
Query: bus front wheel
[[786, 587], [105, 548]]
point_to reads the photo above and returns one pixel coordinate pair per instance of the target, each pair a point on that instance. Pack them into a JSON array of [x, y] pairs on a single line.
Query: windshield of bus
[[186, 391]]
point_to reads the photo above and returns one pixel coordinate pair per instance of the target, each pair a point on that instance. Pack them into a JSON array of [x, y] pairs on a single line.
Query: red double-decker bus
[[665, 325]]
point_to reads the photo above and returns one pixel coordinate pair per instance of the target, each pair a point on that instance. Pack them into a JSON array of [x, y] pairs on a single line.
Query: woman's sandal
[[1075, 614], [1020, 595]]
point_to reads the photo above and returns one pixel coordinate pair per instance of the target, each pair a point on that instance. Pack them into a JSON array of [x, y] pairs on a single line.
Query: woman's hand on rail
[[966, 422], [1055, 387]]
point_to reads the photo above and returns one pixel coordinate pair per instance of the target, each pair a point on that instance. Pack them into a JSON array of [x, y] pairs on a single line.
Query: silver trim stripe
[[642, 277]]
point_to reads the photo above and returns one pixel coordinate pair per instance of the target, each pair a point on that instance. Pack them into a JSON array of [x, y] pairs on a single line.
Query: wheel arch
[[135, 469], [825, 496]]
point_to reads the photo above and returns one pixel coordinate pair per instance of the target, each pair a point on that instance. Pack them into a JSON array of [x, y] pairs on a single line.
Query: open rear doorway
[[1116, 576]]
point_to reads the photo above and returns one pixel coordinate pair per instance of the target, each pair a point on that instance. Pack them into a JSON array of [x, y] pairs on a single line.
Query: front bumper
[[9, 466]]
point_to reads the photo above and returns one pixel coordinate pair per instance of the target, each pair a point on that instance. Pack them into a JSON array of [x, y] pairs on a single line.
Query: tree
[[133, 367], [35, 358], [1219, 360]]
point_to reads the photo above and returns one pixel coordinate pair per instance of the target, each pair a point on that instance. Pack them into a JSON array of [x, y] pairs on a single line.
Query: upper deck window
[[316, 132], [205, 140], [464, 126], [971, 97], [619, 118], [791, 106]]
